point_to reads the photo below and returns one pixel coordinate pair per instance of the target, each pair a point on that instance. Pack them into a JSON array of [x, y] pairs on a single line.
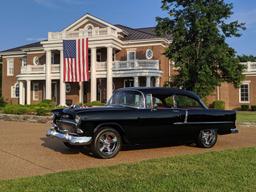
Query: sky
[[28, 21]]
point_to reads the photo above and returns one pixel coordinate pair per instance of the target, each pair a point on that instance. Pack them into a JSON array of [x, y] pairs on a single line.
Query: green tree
[[245, 58], [198, 29]]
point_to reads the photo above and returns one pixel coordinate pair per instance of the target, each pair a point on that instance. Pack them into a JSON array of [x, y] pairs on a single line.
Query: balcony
[[96, 32], [39, 69], [250, 67], [130, 65]]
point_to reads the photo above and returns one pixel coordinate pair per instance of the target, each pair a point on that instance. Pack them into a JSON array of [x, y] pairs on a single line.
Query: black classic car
[[141, 115]]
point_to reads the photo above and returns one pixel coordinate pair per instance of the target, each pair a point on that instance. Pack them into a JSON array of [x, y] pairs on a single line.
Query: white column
[[48, 80], [93, 74], [62, 83], [81, 92], [28, 92], [136, 81], [109, 72], [157, 81], [21, 93], [148, 81]]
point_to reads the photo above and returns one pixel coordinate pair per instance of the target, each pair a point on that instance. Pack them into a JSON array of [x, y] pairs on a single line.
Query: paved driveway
[[25, 151]]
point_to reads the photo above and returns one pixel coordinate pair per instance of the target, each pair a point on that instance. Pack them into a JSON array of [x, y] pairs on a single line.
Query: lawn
[[246, 116], [232, 170]]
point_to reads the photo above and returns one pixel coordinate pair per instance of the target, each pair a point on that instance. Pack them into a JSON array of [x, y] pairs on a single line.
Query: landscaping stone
[[25, 118]]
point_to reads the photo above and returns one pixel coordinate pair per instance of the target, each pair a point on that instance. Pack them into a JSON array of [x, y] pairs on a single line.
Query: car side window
[[182, 101]]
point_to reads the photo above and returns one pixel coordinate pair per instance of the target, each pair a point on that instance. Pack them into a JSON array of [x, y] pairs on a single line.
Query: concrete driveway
[[25, 151]]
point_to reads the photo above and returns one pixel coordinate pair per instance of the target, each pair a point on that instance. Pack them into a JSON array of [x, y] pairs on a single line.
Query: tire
[[68, 145], [106, 143], [207, 138]]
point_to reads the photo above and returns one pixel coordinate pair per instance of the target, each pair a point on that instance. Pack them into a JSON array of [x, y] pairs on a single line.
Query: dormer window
[[89, 29]]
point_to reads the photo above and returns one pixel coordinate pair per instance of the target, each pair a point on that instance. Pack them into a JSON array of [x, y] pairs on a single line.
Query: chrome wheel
[[107, 143], [207, 138]]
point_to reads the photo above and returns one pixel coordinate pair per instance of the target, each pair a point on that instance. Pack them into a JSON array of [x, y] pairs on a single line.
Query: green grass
[[232, 170], [246, 116]]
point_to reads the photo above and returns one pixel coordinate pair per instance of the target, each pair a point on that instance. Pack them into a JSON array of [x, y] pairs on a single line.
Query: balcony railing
[[136, 64], [39, 69], [96, 32], [250, 66]]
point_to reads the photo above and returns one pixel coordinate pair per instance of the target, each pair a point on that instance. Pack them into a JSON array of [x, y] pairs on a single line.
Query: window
[[127, 98], [15, 91], [149, 54], [68, 88], [36, 60], [131, 55], [181, 101], [244, 93], [10, 66], [24, 61], [128, 83], [35, 91]]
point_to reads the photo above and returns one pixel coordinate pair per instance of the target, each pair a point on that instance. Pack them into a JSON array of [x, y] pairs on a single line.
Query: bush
[[93, 103], [15, 109], [253, 107], [218, 104], [244, 107], [46, 103], [41, 111], [2, 102]]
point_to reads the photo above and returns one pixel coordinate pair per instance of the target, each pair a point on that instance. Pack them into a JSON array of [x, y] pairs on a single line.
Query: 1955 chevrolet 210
[[141, 115]]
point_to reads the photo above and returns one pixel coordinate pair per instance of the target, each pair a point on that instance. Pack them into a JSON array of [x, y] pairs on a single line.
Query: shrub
[[46, 103], [93, 103], [41, 111], [218, 104], [244, 107], [2, 102], [15, 109], [253, 107]]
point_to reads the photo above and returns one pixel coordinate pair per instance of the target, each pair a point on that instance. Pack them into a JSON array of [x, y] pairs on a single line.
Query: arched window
[[15, 90], [89, 28]]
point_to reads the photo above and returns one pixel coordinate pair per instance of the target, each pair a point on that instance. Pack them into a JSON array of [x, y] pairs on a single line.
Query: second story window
[[10, 66], [24, 61], [131, 55]]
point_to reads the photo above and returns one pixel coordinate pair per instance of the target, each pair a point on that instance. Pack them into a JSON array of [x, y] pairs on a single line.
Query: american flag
[[76, 60]]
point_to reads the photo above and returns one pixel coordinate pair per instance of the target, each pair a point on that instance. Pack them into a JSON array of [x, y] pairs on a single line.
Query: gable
[[87, 20]]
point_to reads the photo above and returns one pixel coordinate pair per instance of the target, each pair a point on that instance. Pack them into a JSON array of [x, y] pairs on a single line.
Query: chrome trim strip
[[186, 117], [199, 122], [68, 122], [73, 140]]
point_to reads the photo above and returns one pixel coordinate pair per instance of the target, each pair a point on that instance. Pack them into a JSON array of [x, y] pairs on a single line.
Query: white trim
[[10, 62], [248, 84], [88, 16], [13, 56], [34, 91]]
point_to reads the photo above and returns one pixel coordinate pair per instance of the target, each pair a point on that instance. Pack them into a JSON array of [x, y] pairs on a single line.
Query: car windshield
[[127, 98]]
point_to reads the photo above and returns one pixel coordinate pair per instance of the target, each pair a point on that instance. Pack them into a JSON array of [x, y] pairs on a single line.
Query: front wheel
[[207, 138], [106, 143]]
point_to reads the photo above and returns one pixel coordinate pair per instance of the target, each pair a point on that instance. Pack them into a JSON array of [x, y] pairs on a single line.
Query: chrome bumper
[[73, 140], [234, 130]]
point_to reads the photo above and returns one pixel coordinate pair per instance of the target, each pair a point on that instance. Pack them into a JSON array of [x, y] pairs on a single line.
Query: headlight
[[77, 119], [53, 117]]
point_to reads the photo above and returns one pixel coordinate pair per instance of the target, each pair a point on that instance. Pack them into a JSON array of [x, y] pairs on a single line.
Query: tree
[[246, 58], [198, 29]]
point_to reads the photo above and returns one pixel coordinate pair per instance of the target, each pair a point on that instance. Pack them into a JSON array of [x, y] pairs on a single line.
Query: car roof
[[162, 91]]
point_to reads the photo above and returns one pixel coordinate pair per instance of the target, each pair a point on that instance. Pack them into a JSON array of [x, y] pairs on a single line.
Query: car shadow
[[58, 146], [160, 144]]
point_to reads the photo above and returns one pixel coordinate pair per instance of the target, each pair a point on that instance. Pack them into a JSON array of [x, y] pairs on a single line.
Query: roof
[[136, 34], [162, 91], [150, 30], [31, 45]]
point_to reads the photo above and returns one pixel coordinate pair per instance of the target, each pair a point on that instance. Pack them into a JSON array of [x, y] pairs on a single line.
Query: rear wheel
[[106, 143], [207, 138]]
